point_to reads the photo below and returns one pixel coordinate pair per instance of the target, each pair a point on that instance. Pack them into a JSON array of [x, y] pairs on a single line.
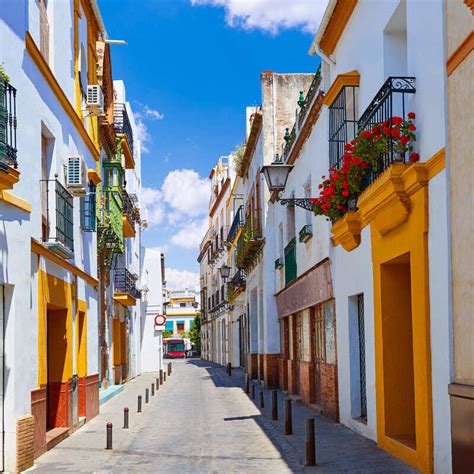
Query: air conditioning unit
[[95, 100], [76, 176]]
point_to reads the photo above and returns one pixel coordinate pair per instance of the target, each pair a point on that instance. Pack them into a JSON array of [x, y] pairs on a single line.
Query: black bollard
[[274, 405], [169, 369], [246, 383], [109, 436], [147, 395], [288, 418], [253, 391], [229, 369], [139, 410], [261, 400], [152, 389], [125, 418], [157, 383], [310, 440], [161, 376]]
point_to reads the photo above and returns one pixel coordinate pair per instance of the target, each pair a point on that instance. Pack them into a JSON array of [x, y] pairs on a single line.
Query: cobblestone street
[[201, 421]]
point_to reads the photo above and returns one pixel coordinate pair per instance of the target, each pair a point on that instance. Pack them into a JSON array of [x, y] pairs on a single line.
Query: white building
[[181, 307]]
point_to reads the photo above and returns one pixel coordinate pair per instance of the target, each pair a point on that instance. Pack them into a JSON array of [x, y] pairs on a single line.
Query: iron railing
[[8, 124], [88, 211], [238, 280], [305, 105], [249, 243], [290, 261], [125, 282], [122, 123], [57, 205], [306, 233], [129, 209], [342, 123], [237, 223], [391, 100]]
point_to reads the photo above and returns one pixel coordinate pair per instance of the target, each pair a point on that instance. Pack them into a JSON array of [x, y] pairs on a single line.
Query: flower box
[[306, 233]]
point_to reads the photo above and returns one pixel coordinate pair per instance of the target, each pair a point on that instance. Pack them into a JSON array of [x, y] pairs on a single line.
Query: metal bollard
[[125, 418], [274, 405], [310, 440], [161, 376], [229, 369], [246, 383], [147, 395], [253, 391], [157, 383], [169, 368], [288, 418], [109, 436], [139, 410], [261, 399], [164, 377], [152, 389]]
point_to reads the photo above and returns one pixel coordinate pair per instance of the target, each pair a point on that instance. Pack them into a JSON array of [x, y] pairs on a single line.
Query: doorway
[[57, 384]]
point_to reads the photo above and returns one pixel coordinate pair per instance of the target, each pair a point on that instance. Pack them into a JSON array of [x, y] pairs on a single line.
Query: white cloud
[[142, 133], [181, 279], [187, 192], [191, 234], [153, 200], [271, 15], [152, 113]]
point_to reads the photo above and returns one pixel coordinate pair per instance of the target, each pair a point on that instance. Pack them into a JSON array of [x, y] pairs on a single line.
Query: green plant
[[195, 333], [238, 156], [3, 74], [167, 334]]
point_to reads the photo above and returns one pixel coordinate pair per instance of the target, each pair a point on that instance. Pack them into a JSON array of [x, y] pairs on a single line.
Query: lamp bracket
[[305, 203]]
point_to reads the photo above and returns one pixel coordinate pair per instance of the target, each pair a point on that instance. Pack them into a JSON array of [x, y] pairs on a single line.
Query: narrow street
[[201, 420]]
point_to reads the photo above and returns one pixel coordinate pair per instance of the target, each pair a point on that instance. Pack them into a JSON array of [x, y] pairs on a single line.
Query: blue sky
[[190, 69]]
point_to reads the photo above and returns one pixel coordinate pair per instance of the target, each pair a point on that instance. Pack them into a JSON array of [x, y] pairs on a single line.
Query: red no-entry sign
[[160, 320]]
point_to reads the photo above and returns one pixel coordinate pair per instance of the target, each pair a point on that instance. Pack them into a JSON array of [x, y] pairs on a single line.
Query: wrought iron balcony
[[238, 281], [57, 222], [131, 213], [122, 123], [125, 282], [250, 243], [306, 233], [391, 100], [237, 223], [8, 125], [88, 211]]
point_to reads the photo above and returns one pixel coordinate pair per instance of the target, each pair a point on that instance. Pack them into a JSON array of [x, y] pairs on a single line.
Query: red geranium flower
[[364, 164], [397, 120], [348, 147], [395, 132], [345, 193], [412, 127], [314, 200], [356, 161], [345, 184], [411, 115], [404, 140], [340, 207], [320, 186], [386, 131], [376, 130], [384, 123], [414, 157]]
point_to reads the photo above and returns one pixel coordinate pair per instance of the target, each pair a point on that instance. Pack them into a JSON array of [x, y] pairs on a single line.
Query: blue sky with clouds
[[190, 69]]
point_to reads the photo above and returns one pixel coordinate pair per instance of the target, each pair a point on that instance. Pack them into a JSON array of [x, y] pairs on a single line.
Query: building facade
[[181, 307], [70, 212]]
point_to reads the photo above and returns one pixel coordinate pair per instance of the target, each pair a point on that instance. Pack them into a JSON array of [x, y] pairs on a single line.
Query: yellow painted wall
[[116, 342], [407, 237], [123, 341], [81, 339], [56, 296]]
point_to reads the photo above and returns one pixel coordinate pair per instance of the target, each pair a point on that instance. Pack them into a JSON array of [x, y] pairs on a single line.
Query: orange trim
[[251, 143], [436, 163], [16, 201], [39, 249], [45, 70], [461, 53], [470, 4], [219, 198], [336, 25], [94, 177], [211, 174], [351, 78], [9, 179]]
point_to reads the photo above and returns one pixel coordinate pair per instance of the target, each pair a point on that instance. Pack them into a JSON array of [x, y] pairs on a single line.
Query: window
[[44, 29], [342, 123], [182, 305], [180, 326], [169, 326], [88, 210]]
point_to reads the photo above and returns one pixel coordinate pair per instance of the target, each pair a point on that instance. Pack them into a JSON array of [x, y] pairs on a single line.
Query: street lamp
[[225, 271], [276, 176]]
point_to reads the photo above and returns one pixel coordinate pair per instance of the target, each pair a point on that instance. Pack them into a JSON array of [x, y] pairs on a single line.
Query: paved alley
[[201, 421]]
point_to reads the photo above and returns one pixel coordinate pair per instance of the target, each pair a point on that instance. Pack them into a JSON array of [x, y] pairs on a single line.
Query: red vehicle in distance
[[175, 348]]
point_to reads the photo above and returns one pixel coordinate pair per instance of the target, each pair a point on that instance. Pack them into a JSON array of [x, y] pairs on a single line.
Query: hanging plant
[[3, 74], [361, 155]]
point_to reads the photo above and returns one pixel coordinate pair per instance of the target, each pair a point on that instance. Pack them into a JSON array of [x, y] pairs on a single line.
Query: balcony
[[393, 99], [237, 223], [9, 175], [250, 244], [57, 218], [290, 262], [218, 301], [130, 214], [124, 133], [236, 285], [306, 233], [88, 211], [125, 290], [110, 227]]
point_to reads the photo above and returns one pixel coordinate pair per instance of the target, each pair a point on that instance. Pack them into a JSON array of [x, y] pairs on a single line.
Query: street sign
[[160, 320]]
